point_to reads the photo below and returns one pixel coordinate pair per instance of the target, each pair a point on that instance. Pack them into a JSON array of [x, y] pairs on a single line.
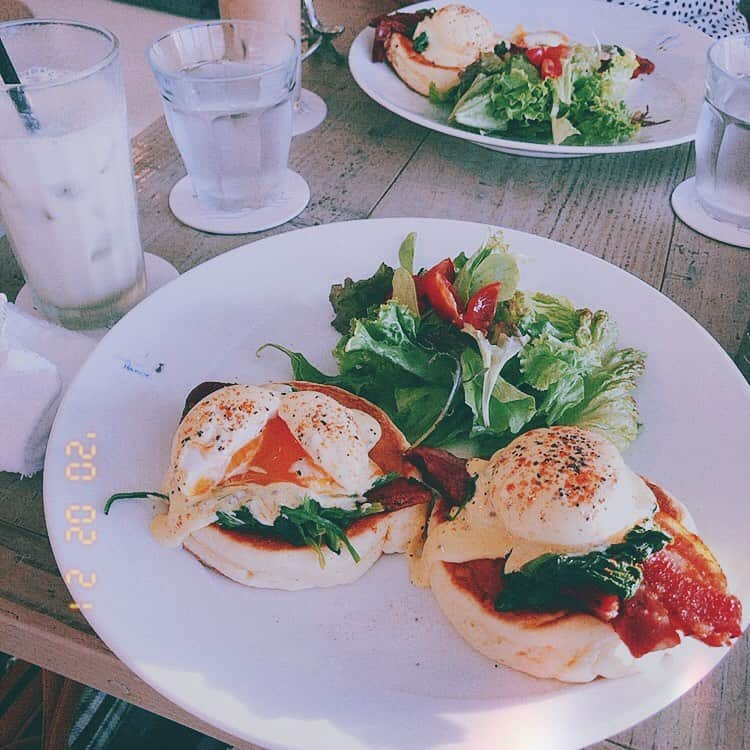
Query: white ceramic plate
[[674, 92], [374, 664]]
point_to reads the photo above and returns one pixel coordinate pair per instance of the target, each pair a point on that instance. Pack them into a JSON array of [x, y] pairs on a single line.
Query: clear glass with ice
[[67, 196], [227, 89], [722, 142]]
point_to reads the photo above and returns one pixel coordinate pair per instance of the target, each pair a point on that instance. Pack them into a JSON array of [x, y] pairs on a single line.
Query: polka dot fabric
[[717, 18]]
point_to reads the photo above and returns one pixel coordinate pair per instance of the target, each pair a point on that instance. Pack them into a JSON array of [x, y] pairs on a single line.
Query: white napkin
[[37, 362]]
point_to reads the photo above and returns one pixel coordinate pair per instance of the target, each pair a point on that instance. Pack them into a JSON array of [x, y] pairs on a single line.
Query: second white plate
[[674, 92]]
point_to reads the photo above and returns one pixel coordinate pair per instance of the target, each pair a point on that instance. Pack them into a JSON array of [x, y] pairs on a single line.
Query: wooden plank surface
[[711, 281], [364, 162]]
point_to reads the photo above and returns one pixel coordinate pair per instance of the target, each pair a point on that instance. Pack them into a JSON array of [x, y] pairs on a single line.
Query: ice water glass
[[67, 197], [722, 142], [227, 89]]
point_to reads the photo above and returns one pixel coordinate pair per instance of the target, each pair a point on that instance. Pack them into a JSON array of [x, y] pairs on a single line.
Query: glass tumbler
[[67, 197], [227, 90], [722, 142]]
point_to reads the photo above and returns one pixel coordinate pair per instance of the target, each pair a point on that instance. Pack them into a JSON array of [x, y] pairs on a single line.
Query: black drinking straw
[[21, 103]]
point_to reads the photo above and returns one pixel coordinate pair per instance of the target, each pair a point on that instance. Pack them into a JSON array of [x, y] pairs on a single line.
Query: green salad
[[572, 95], [457, 355]]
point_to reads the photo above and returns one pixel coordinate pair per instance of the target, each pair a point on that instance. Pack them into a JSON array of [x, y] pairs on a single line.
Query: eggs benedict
[[289, 485], [564, 563], [455, 36], [441, 46]]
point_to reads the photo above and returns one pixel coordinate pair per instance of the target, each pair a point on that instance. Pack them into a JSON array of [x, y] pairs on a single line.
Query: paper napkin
[[37, 362]]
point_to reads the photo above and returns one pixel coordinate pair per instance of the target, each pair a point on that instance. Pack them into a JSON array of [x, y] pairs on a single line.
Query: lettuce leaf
[[389, 336], [492, 262], [506, 409], [521, 94], [582, 61], [562, 128], [382, 360], [515, 93], [598, 118], [353, 299], [488, 64], [441, 98], [534, 313], [302, 369], [607, 406], [417, 416], [474, 108], [404, 288], [572, 361], [618, 72], [492, 358]]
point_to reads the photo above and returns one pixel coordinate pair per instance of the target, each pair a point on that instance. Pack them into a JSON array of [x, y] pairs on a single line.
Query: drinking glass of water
[[67, 197], [722, 143], [227, 88]]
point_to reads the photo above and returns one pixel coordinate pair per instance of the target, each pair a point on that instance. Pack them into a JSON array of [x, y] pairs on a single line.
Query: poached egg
[[560, 489], [264, 447], [456, 35]]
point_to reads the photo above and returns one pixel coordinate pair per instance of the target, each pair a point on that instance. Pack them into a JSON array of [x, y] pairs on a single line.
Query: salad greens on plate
[[536, 86], [458, 355], [563, 94]]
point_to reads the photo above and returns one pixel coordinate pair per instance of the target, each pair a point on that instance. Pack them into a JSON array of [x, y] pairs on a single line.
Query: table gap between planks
[[366, 162]]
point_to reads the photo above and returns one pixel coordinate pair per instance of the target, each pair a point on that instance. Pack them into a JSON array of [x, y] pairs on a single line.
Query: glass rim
[[77, 75], [714, 65], [224, 22]]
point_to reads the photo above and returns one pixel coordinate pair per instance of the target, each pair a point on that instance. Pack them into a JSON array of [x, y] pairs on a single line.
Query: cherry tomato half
[[481, 308], [548, 60], [535, 55], [445, 268], [439, 292]]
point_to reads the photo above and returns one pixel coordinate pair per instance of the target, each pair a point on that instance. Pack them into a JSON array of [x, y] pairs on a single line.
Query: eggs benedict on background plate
[[441, 46], [289, 486], [564, 563]]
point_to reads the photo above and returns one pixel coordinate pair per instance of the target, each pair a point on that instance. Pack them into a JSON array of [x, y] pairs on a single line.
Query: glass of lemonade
[[722, 142], [227, 88], [67, 196]]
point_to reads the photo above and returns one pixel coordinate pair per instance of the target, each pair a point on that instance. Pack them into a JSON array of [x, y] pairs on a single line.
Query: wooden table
[[365, 162]]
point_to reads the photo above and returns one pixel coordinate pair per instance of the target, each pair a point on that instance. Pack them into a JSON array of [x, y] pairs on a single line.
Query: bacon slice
[[400, 493], [443, 471], [603, 606], [394, 23], [644, 624], [703, 611], [684, 590]]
